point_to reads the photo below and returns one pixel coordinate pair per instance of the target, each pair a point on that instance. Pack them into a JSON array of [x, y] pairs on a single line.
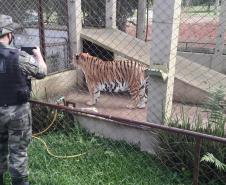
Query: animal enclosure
[[154, 62]]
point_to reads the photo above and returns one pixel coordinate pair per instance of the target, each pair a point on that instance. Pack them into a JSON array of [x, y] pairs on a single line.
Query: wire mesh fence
[[95, 158], [155, 61], [44, 24]]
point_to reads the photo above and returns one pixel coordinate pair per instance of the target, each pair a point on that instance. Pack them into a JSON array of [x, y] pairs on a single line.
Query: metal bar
[[197, 161], [133, 123], [56, 44], [55, 27], [56, 72], [41, 28], [192, 42]]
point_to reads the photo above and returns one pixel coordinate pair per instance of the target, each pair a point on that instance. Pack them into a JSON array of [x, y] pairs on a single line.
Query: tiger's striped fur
[[113, 76]]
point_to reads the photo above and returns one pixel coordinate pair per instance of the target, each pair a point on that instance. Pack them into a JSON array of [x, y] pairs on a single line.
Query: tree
[[18, 9], [94, 12], [125, 9]]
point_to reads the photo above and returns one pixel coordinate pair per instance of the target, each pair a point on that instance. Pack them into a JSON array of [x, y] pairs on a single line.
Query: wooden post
[[165, 28], [218, 62], [74, 27], [111, 13], [141, 14]]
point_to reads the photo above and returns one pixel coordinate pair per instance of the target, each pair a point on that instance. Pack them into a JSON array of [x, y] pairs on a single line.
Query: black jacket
[[14, 85]]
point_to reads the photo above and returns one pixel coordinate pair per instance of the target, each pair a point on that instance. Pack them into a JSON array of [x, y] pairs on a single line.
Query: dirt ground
[[199, 29]]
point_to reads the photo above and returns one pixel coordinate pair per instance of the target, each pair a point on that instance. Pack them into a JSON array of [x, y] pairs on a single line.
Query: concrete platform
[[64, 84], [193, 81], [115, 105]]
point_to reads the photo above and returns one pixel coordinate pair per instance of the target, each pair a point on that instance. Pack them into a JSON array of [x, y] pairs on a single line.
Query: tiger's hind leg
[[139, 97], [143, 97], [134, 92], [142, 102]]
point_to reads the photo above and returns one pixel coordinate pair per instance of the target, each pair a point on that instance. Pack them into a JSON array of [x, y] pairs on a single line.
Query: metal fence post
[[197, 161], [41, 28], [165, 28]]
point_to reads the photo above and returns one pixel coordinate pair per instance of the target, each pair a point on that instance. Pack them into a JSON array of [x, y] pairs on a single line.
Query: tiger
[[113, 76]]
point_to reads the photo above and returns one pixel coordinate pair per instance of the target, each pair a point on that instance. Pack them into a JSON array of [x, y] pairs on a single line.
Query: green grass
[[106, 162]]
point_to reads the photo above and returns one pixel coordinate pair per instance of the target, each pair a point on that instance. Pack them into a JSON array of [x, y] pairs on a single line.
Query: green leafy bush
[[177, 151]]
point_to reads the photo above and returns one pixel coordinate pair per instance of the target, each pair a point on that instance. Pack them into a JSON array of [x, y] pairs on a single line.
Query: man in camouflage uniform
[[15, 113]]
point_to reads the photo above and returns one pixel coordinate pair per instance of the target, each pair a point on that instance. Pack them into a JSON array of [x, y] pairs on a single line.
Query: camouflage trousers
[[15, 136]]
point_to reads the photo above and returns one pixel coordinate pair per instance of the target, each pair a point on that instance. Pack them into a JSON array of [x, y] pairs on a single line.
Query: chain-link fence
[[181, 156], [44, 25], [160, 62]]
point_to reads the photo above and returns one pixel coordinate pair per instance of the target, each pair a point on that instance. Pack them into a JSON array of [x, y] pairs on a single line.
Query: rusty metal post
[[41, 28], [197, 161]]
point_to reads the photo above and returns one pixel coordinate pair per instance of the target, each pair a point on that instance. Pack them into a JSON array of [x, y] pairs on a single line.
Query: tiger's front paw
[[90, 103], [131, 106]]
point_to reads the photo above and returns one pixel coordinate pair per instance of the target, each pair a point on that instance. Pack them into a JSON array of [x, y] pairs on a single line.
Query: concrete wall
[[54, 85], [145, 140], [202, 59], [186, 93]]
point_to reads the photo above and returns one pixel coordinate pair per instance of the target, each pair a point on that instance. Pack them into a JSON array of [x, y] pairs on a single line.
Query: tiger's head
[[81, 59]]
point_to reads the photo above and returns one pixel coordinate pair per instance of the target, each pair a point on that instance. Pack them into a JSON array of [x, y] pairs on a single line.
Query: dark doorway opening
[[97, 51]]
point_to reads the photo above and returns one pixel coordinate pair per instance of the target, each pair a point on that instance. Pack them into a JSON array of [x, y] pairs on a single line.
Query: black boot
[[1, 179], [20, 181]]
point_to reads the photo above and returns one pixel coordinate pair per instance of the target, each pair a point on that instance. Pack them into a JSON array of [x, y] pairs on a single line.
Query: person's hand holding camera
[[38, 55]]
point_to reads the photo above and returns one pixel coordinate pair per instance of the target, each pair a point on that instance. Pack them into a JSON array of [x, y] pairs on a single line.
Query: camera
[[28, 50]]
